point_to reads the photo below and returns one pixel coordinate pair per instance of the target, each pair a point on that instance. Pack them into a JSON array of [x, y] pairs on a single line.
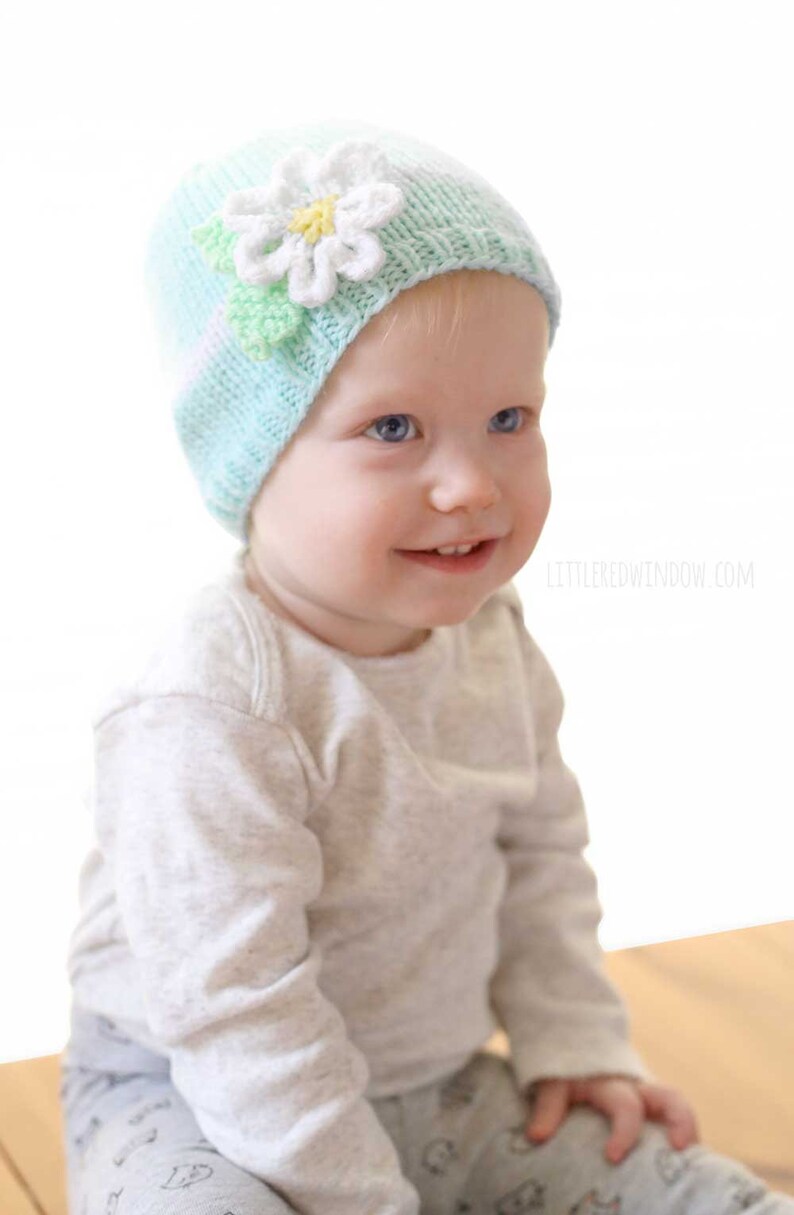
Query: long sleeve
[[200, 811], [550, 992]]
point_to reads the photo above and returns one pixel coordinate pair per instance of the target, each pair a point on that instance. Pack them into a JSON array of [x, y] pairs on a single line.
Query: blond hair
[[425, 305]]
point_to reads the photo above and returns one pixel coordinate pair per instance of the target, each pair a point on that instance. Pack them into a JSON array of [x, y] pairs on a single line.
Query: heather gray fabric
[[134, 1147], [322, 879]]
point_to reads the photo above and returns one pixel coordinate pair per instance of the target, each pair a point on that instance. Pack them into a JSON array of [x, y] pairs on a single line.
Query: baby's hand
[[626, 1102]]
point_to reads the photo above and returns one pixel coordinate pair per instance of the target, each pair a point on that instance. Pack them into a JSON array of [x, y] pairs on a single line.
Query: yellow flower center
[[314, 221]]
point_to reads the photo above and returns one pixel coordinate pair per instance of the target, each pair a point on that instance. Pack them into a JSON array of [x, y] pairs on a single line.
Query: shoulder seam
[[257, 688], [209, 700], [274, 670]]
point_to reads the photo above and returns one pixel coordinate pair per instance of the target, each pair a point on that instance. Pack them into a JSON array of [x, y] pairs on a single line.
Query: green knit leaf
[[262, 317], [216, 244]]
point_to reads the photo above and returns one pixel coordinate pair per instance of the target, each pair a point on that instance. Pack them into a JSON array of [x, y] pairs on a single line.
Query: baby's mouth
[[472, 559], [450, 550], [459, 550]]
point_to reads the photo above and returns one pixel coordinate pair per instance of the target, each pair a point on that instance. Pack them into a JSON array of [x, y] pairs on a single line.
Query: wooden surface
[[31, 1156], [712, 1016]]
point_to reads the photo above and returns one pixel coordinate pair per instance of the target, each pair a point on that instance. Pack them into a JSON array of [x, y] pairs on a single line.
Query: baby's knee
[[713, 1182], [653, 1177], [176, 1179], [148, 1156], [570, 1174]]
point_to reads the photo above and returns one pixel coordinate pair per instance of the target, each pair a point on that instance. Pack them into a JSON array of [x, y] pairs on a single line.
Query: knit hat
[[263, 267]]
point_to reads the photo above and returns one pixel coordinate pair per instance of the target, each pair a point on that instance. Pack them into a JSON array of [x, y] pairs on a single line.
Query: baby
[[337, 847]]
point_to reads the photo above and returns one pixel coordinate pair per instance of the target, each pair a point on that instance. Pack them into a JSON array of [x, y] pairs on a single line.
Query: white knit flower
[[321, 210]]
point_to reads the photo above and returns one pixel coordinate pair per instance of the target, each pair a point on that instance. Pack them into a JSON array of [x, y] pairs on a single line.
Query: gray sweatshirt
[[320, 878]]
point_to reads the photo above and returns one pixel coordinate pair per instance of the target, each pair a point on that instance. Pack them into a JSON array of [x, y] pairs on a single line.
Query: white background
[[649, 147]]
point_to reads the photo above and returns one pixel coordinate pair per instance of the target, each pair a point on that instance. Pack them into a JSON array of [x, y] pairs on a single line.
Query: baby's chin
[[453, 613]]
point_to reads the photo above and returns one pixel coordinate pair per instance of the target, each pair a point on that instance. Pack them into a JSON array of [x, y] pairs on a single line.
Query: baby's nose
[[464, 481]]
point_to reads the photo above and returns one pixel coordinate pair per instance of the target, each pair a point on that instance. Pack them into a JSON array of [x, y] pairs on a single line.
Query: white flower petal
[[363, 257], [349, 163], [244, 204], [267, 224], [368, 206], [259, 268], [291, 175], [288, 187], [312, 276]]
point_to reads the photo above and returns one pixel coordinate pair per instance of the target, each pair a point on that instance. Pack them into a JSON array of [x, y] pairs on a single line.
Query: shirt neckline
[[429, 653]]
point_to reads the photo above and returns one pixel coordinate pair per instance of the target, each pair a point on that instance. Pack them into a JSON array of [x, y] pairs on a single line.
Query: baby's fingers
[[551, 1104], [627, 1119], [670, 1107]]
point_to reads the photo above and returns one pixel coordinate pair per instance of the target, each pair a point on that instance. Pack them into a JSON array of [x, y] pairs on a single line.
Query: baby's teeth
[[462, 548]]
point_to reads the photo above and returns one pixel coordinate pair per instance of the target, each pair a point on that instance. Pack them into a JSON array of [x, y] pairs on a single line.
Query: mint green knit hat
[[263, 267]]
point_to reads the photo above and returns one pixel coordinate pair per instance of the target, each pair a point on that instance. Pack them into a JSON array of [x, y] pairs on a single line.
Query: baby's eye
[[390, 427], [513, 417]]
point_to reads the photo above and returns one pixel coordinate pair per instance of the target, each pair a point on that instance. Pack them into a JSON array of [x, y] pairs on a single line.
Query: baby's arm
[[550, 991], [200, 811]]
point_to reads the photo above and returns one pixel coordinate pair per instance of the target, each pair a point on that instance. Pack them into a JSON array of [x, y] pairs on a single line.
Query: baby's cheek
[[383, 519], [540, 493]]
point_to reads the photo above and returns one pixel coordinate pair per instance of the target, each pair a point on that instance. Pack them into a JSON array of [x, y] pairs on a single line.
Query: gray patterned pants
[[133, 1147]]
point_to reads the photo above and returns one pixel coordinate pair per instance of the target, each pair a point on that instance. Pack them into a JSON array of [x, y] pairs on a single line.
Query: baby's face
[[412, 444]]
